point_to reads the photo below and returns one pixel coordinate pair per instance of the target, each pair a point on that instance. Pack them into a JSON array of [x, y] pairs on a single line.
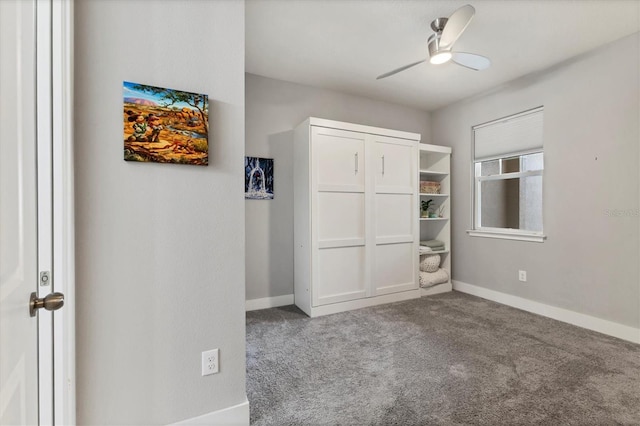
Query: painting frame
[[258, 178], [164, 125]]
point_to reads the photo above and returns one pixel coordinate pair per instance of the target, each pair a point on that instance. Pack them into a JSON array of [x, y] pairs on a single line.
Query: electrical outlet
[[522, 276], [210, 362]]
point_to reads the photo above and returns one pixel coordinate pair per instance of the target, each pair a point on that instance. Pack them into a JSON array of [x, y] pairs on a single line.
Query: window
[[508, 163]]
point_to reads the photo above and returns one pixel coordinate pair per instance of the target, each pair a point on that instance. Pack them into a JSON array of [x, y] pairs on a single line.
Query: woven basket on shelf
[[429, 187]]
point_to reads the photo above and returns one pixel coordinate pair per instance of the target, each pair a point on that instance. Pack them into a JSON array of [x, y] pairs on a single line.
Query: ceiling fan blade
[[397, 70], [455, 26], [471, 60]]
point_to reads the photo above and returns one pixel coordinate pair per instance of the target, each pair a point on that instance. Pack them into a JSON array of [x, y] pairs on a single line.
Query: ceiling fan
[[447, 31]]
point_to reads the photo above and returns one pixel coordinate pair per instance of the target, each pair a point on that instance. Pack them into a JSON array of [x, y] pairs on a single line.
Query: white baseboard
[[237, 415], [610, 328], [268, 302]]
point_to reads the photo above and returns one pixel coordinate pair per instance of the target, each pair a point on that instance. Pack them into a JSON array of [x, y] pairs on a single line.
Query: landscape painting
[[258, 178], [165, 125]]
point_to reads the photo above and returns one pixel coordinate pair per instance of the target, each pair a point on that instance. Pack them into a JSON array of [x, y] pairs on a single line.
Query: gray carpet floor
[[450, 359]]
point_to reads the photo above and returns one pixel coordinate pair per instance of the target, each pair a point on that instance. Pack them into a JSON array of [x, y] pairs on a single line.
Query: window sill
[[508, 235]]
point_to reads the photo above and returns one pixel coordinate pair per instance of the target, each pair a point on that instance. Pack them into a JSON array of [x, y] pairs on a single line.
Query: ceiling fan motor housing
[[434, 45], [438, 24]]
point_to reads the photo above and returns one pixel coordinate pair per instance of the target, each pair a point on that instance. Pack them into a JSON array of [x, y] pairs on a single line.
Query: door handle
[[382, 164], [356, 158], [51, 302]]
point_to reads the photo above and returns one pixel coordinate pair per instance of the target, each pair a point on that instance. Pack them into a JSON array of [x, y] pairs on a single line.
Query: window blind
[[515, 135]]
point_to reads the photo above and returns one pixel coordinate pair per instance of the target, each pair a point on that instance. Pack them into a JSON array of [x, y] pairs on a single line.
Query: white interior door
[[18, 214], [32, 67]]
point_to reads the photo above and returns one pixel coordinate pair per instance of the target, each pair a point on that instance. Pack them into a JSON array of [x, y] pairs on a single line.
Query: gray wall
[[273, 109], [160, 247], [589, 262]]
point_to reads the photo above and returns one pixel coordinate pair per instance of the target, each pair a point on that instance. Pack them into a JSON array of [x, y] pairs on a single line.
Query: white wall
[[589, 262], [160, 247], [273, 108]]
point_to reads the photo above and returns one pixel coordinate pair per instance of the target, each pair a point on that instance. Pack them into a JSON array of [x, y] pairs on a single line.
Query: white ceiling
[[344, 44]]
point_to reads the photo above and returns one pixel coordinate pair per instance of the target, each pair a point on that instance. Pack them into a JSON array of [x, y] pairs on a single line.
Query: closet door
[[395, 253], [339, 261]]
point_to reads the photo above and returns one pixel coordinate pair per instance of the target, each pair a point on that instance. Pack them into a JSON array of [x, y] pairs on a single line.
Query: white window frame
[[476, 182]]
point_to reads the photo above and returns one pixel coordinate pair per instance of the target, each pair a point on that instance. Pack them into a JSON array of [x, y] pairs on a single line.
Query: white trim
[[339, 125], [505, 176], [268, 302], [509, 117], [434, 148], [63, 208], [610, 328], [507, 235], [230, 416], [44, 144], [511, 154]]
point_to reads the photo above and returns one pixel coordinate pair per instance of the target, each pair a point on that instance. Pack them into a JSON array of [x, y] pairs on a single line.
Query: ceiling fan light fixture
[[437, 55], [440, 58]]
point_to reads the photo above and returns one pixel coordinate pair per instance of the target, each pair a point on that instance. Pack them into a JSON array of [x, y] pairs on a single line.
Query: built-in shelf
[[437, 252], [435, 165], [433, 173]]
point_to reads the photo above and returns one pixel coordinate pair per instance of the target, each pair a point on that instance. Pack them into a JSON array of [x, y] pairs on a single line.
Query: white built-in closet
[[355, 216]]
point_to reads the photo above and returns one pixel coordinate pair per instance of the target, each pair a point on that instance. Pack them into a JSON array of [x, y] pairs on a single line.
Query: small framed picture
[[258, 178]]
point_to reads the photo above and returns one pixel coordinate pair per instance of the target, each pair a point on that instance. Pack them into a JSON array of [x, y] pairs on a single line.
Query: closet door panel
[[395, 170], [340, 218], [339, 211], [340, 275], [339, 160], [395, 213], [394, 218], [394, 268]]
